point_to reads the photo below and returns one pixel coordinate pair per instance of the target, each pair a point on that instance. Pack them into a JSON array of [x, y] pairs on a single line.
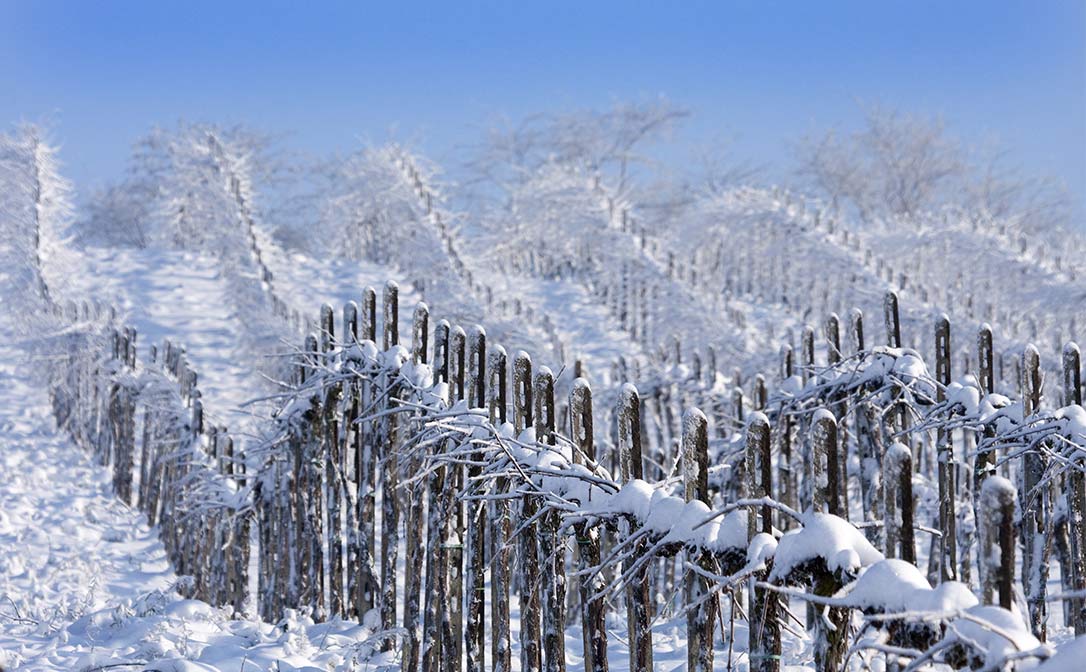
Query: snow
[[85, 583], [1069, 657], [887, 585], [994, 631], [825, 537]]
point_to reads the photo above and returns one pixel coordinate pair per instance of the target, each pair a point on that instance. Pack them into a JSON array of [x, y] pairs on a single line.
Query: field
[[357, 416]]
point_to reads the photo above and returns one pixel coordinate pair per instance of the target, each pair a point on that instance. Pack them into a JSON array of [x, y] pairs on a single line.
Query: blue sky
[[763, 73]]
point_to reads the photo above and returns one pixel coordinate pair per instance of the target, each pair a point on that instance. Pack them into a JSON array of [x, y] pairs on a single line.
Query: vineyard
[[565, 429]]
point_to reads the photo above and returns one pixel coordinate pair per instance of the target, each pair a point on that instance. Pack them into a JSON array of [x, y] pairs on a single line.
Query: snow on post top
[[827, 537]]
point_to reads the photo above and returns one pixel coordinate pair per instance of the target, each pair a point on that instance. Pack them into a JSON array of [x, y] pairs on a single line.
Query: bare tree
[[895, 164]]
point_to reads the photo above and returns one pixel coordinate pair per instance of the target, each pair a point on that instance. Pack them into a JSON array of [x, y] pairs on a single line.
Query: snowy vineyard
[[467, 462], [671, 468]]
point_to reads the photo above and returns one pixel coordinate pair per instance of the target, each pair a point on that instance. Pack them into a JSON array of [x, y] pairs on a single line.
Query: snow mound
[[827, 537], [996, 632]]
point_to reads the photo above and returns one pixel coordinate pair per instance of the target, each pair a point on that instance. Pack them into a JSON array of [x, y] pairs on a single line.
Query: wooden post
[[638, 596], [551, 551], [807, 349], [893, 322], [328, 328], [334, 465], [369, 314], [948, 547], [476, 368], [475, 511], [391, 315], [593, 611], [765, 634], [501, 529], [839, 407], [737, 407], [1076, 493], [833, 339], [457, 374], [497, 368], [531, 652], [701, 605], [390, 475], [441, 352], [522, 392], [1035, 519], [350, 322], [436, 622], [984, 466], [420, 332], [786, 466], [414, 499], [824, 462], [997, 501], [761, 395], [898, 503], [856, 322]]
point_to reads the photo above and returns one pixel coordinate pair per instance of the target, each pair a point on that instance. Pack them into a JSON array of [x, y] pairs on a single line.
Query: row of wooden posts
[[146, 420], [319, 496], [460, 358]]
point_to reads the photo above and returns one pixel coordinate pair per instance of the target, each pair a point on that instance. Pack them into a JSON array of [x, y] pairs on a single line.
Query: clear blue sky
[[764, 72]]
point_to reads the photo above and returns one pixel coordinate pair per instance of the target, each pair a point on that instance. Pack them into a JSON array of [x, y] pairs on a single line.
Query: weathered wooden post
[[833, 339], [551, 550], [476, 368], [765, 632], [420, 333], [823, 476], [522, 392], [457, 353], [475, 511], [350, 322], [501, 529], [439, 644], [856, 330], [327, 453], [391, 314], [898, 502], [497, 373], [1076, 493], [593, 611], [997, 500], [1035, 519], [893, 322], [700, 604], [948, 547], [369, 315], [829, 630], [984, 465], [328, 328], [807, 350], [786, 471], [531, 652], [761, 395], [414, 524], [638, 596], [441, 352], [390, 475]]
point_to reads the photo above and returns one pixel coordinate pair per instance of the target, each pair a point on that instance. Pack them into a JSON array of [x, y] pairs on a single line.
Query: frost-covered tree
[[895, 164], [183, 189], [35, 212], [611, 143]]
